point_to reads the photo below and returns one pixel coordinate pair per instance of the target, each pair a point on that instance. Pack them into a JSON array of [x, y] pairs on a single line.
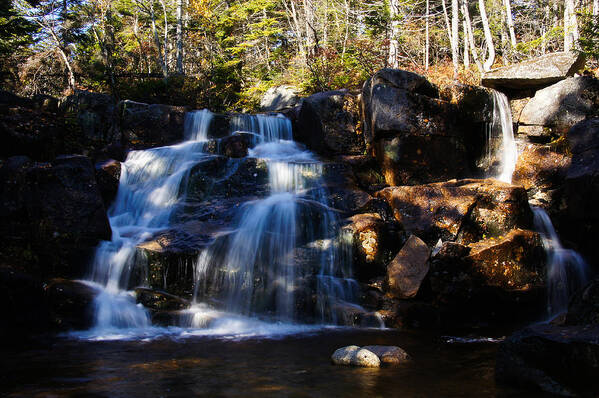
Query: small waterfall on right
[[502, 121], [566, 269]]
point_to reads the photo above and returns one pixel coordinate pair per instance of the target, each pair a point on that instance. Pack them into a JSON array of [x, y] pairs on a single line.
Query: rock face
[[418, 136], [56, 208], [279, 98], [492, 280], [328, 123], [150, 125], [555, 109], [534, 73], [464, 211], [355, 356], [374, 241], [94, 113], [407, 270], [108, 174], [584, 306], [71, 304], [554, 359]]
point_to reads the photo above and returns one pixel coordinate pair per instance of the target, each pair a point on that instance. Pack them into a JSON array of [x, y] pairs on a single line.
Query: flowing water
[[252, 270], [502, 122], [566, 269]]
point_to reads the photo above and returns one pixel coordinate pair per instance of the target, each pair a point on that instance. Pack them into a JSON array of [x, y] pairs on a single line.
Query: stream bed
[[293, 366]]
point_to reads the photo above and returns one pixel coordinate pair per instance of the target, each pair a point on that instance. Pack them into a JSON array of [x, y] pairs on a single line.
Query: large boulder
[[562, 360], [492, 281], [328, 123], [94, 113], [51, 214], [407, 270], [555, 109], [535, 73], [150, 125], [279, 98], [418, 135], [579, 220], [71, 303], [464, 211]]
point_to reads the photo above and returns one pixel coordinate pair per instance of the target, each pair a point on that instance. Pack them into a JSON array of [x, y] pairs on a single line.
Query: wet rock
[[108, 175], [462, 210], [512, 261], [51, 214], [375, 242], [159, 301], [584, 306], [535, 73], [495, 280], [71, 303], [150, 125], [554, 359], [366, 171], [355, 356], [25, 310], [407, 270], [279, 98], [328, 123], [541, 170], [557, 108], [388, 354]]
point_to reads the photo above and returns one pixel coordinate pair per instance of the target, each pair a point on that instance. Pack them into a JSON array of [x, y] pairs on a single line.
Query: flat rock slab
[[535, 73], [408, 269]]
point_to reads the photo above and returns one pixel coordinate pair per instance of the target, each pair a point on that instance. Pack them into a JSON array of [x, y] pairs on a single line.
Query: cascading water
[[502, 121], [255, 269], [566, 270], [148, 190], [250, 270]]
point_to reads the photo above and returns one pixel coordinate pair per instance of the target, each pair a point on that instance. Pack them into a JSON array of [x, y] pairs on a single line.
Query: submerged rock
[[355, 356], [407, 270], [558, 360], [159, 301], [535, 73]]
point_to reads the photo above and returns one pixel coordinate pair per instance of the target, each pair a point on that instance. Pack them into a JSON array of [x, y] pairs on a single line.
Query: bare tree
[[570, 25], [452, 33], [393, 59], [180, 36], [510, 22], [488, 37]]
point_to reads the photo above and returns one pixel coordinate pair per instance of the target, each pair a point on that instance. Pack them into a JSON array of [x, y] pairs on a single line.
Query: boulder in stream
[[355, 356]]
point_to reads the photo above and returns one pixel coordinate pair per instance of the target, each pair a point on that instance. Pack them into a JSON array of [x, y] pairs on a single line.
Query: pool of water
[[287, 365]]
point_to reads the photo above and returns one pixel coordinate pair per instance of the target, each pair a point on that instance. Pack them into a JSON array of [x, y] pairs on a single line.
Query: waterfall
[[502, 121], [251, 269], [148, 191], [566, 270], [254, 270]]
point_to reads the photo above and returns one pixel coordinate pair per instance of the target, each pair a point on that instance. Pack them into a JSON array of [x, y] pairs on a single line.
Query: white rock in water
[[355, 356], [366, 358], [343, 356]]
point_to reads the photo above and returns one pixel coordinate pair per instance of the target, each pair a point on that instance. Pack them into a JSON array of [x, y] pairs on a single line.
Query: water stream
[[502, 121], [249, 275]]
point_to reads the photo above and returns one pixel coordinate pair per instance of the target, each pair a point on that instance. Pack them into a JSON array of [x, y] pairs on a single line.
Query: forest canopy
[[225, 54]]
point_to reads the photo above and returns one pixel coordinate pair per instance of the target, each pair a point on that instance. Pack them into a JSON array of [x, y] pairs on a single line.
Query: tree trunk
[[510, 22], [161, 60], [471, 36], [452, 39], [427, 43], [455, 32], [180, 36], [393, 57], [570, 26], [466, 49], [595, 7], [488, 37], [166, 52]]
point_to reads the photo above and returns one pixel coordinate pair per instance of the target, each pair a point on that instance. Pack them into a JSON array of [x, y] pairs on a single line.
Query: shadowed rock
[[407, 270]]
